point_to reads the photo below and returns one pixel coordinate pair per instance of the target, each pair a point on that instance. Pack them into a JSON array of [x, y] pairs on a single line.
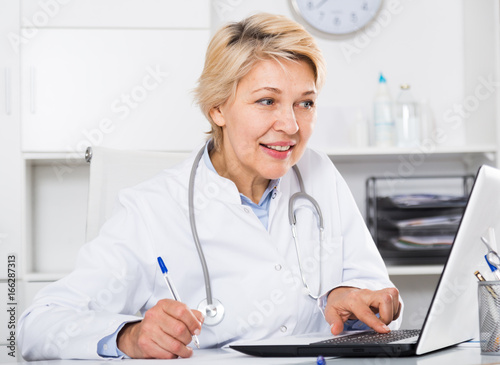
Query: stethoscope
[[211, 307]]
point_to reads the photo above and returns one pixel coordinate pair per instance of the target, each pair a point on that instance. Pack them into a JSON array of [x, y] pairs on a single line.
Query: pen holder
[[489, 317]]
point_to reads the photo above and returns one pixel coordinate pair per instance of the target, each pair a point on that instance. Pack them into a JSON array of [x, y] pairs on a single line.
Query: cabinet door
[[115, 13], [115, 88], [10, 152]]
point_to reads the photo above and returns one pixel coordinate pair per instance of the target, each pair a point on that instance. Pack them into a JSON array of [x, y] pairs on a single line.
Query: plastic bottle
[[359, 130], [407, 119], [383, 120], [427, 123]]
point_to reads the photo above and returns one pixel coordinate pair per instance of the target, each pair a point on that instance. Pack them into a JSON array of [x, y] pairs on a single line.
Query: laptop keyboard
[[370, 338]]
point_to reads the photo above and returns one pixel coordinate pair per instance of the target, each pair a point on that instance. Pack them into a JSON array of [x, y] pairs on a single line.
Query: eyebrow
[[278, 91]]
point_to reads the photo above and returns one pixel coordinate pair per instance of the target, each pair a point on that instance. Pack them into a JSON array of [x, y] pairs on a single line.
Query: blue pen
[[173, 291], [320, 360], [492, 267]]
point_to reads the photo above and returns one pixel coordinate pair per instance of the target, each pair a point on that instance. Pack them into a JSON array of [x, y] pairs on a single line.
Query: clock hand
[[320, 4]]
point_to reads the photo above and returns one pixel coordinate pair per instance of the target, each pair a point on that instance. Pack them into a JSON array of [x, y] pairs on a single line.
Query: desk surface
[[456, 355]]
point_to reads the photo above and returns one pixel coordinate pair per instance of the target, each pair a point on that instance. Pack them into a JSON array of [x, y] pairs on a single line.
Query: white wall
[[426, 54], [423, 43], [441, 48]]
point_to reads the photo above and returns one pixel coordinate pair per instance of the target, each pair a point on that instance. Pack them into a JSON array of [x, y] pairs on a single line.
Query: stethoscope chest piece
[[213, 313]]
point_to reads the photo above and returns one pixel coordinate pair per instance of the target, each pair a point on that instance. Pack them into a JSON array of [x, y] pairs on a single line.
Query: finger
[[176, 329], [387, 305], [164, 347], [396, 303], [335, 320], [161, 324], [199, 315], [169, 347], [398, 312], [155, 343], [365, 315], [181, 312]]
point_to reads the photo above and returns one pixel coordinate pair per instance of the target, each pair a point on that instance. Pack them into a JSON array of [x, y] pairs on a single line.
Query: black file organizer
[[387, 214]]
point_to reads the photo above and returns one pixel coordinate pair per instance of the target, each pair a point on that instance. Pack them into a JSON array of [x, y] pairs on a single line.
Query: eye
[[265, 102], [308, 104]]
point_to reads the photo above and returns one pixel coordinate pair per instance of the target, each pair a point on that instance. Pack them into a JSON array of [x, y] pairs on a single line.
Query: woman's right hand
[[164, 333]]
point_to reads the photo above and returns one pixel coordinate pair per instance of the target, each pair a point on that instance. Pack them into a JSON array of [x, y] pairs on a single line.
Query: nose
[[286, 121]]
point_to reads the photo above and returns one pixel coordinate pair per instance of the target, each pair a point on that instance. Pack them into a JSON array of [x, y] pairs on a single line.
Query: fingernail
[[197, 331], [189, 348], [385, 327]]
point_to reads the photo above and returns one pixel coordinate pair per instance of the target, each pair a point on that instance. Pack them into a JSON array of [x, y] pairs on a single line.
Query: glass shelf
[[415, 270], [395, 151]]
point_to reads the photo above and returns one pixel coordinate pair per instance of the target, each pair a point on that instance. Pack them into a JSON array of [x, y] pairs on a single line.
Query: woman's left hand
[[352, 303]]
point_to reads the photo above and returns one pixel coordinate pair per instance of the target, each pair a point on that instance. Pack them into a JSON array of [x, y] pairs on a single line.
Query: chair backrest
[[112, 170]]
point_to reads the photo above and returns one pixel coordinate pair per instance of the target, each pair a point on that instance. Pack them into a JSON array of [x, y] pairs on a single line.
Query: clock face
[[337, 16]]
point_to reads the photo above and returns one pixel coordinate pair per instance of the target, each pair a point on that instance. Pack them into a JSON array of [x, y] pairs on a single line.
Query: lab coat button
[[246, 210], [277, 267], [283, 328]]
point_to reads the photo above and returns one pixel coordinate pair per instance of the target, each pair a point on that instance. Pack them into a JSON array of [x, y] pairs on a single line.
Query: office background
[[118, 73]]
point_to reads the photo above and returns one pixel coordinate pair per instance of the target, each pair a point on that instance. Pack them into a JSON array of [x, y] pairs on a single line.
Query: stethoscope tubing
[[217, 308], [194, 231]]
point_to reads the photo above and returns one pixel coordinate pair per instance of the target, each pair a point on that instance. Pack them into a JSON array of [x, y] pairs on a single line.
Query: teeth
[[279, 148]]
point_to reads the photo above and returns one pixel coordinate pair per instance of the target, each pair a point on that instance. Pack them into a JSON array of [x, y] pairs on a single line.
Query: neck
[[248, 184]]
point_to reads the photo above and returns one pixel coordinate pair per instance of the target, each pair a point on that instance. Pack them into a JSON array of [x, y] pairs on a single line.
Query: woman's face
[[266, 127]]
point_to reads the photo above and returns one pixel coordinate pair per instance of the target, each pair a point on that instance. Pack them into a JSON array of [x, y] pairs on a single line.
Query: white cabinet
[[10, 153], [56, 194], [116, 14], [121, 88], [113, 73]]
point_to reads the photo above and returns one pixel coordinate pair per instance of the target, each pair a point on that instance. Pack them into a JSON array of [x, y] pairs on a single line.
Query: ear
[[218, 116]]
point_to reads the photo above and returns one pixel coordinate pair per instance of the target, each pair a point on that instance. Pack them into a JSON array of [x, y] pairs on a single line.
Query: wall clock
[[336, 17]]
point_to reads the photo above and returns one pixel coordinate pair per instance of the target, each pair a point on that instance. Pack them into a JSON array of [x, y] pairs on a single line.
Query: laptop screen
[[453, 314]]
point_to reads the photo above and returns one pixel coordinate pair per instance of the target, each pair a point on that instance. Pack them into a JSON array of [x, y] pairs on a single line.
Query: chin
[[276, 173]]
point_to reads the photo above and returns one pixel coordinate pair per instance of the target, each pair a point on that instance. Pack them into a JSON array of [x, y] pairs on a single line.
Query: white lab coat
[[254, 271]]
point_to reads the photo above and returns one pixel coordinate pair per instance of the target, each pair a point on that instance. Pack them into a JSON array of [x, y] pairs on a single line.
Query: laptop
[[452, 317]]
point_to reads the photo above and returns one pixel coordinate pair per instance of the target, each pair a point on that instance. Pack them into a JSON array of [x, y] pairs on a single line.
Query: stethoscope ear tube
[[302, 194], [293, 222], [213, 312]]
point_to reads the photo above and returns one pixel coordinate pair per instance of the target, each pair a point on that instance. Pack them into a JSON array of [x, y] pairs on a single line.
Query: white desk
[[455, 355]]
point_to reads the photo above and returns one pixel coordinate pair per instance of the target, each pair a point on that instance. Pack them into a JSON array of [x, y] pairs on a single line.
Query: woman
[[258, 90]]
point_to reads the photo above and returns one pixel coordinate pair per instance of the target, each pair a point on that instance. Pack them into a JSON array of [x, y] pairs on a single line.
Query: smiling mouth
[[278, 148]]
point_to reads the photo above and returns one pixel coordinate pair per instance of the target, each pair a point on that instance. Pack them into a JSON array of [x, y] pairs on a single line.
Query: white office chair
[[112, 170]]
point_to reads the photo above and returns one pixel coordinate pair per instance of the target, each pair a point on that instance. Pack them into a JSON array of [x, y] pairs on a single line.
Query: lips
[[278, 148]]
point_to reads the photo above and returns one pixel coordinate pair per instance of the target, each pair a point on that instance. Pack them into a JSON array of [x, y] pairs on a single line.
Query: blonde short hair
[[236, 47]]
